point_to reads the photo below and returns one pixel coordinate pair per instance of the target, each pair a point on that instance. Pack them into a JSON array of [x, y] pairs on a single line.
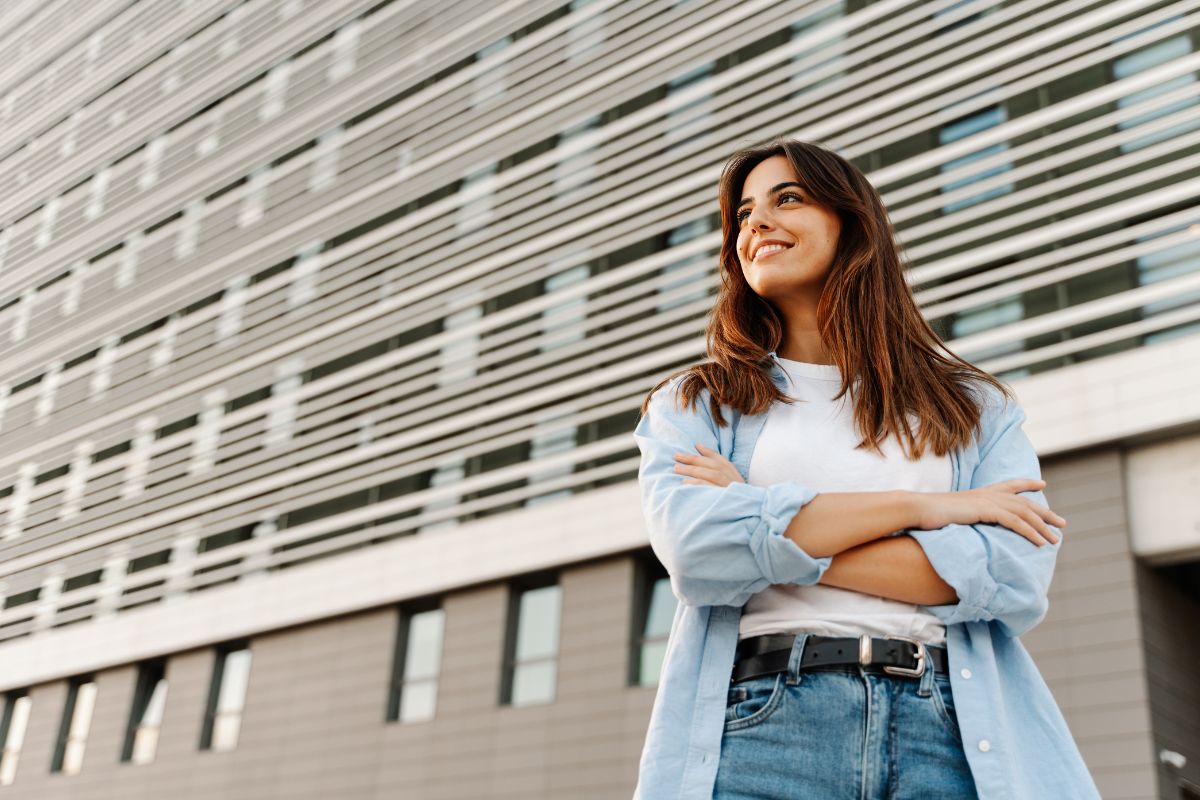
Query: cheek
[[833, 230], [741, 249]]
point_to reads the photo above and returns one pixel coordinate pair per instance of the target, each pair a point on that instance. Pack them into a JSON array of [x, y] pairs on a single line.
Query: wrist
[[912, 507]]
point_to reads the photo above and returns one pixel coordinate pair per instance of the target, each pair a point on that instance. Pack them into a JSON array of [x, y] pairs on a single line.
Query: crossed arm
[[724, 542], [894, 567]]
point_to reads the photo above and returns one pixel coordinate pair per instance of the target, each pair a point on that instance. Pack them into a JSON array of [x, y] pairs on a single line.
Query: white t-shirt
[[812, 442]]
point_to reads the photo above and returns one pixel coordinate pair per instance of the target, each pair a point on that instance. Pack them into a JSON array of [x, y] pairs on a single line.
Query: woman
[[853, 522]]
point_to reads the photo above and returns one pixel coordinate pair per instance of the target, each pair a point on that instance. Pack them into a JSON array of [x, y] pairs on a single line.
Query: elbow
[[1023, 611], [1031, 618], [695, 584]]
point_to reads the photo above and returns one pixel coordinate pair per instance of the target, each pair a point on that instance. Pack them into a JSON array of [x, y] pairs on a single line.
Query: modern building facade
[[324, 325]]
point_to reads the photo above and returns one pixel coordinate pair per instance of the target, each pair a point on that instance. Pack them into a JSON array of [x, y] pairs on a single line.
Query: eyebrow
[[774, 189]]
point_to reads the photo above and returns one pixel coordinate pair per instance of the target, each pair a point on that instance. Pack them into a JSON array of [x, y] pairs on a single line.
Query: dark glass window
[[531, 644], [145, 717], [226, 697], [413, 696], [654, 606], [12, 733], [73, 731]]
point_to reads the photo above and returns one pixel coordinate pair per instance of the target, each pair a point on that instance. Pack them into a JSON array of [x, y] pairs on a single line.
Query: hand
[[709, 468], [998, 503]]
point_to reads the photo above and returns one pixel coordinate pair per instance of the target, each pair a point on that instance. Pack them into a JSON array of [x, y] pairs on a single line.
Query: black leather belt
[[898, 655]]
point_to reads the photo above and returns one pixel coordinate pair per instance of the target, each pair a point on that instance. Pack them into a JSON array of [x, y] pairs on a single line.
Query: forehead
[[766, 174]]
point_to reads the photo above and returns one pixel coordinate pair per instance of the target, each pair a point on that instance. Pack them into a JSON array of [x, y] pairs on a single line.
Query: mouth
[[768, 250]]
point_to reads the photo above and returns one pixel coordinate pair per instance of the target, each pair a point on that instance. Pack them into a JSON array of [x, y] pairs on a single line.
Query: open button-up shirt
[[721, 545]]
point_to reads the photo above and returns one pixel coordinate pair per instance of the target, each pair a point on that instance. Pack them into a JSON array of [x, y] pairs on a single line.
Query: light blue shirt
[[721, 545]]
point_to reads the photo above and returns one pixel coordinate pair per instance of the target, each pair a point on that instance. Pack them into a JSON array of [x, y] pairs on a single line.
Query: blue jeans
[[842, 733]]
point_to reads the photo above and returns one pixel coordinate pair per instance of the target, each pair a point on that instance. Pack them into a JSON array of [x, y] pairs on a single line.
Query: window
[[489, 85], [478, 201], [965, 127], [531, 646], [831, 42], [679, 236], [12, 733], [575, 173], [988, 317], [447, 474], [1172, 262], [226, 697], [76, 719], [958, 23], [566, 321], [687, 119], [145, 718], [1150, 57], [585, 37], [418, 659], [548, 439], [458, 359], [654, 606]]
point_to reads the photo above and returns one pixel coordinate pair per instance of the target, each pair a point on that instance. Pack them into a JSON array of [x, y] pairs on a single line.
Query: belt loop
[[925, 688], [794, 671]]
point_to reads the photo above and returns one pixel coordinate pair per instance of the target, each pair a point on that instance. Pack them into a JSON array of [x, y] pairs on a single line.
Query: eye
[[740, 217]]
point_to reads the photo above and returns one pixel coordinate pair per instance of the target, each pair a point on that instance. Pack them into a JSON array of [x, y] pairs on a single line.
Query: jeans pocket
[[943, 701], [752, 701]]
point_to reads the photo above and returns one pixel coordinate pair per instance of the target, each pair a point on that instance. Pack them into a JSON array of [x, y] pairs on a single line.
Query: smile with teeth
[[768, 249]]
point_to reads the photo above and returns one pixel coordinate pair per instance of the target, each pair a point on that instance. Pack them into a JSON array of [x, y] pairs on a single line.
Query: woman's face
[[786, 241]]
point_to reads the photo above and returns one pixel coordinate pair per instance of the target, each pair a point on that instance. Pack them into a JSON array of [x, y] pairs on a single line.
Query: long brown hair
[[891, 361]]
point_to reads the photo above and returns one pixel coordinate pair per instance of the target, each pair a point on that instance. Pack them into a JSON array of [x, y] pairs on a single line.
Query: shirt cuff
[[781, 559], [959, 555]]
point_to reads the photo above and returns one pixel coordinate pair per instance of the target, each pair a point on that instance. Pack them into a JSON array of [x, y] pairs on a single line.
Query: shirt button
[[985, 745], [966, 673]]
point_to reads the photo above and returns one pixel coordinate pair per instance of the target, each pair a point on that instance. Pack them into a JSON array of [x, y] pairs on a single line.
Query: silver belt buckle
[[916, 671]]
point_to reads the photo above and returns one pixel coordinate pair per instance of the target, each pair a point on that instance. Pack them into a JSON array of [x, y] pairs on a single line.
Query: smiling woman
[[785, 245], [853, 522]]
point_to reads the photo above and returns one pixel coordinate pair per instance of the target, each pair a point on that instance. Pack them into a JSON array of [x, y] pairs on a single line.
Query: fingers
[[704, 450], [1016, 523], [696, 461], [1022, 484], [1026, 522], [708, 468], [704, 473], [1041, 516], [1047, 514], [1039, 525], [1035, 514]]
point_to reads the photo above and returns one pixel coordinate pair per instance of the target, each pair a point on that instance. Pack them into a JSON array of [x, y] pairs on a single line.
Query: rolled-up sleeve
[[720, 545], [999, 575]]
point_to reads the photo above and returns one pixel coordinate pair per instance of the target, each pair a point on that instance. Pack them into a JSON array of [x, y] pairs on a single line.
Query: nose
[[758, 219]]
